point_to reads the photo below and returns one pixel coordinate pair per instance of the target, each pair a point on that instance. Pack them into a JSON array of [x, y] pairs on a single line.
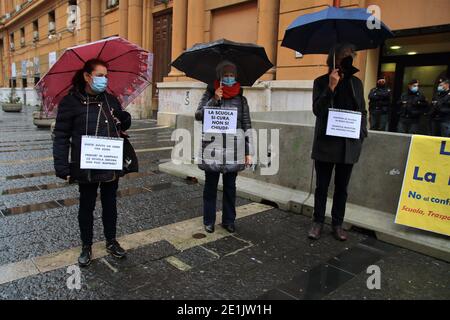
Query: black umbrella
[[318, 32], [200, 61]]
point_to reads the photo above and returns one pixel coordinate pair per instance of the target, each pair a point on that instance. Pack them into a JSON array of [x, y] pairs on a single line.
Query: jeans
[[88, 196], [440, 128], [210, 197], [342, 176], [379, 121], [411, 126]]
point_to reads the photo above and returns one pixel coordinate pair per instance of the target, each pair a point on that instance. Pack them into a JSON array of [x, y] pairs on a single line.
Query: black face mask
[[347, 64]]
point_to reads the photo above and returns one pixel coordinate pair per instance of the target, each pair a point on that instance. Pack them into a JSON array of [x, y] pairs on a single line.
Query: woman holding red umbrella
[[90, 85], [88, 110]]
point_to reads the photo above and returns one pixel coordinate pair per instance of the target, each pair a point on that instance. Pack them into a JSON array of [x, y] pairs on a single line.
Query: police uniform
[[379, 103]]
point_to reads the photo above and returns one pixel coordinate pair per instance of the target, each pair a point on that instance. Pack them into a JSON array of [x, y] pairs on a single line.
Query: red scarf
[[229, 92]]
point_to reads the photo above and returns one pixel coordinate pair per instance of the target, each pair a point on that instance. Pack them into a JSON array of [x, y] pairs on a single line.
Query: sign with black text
[[217, 120], [344, 123], [101, 153]]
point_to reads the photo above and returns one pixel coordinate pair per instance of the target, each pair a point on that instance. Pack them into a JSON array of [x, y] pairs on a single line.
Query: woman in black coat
[[233, 153], [89, 110], [338, 89]]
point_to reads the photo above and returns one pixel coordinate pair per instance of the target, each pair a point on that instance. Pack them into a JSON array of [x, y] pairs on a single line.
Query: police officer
[[379, 102], [412, 106], [440, 110]]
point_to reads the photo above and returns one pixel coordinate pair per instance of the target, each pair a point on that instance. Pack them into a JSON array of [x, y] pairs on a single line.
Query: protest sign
[[344, 123], [220, 120], [425, 197], [101, 153]]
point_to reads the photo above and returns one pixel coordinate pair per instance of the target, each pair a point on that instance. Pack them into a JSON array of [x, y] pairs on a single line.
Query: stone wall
[[273, 96], [377, 178]]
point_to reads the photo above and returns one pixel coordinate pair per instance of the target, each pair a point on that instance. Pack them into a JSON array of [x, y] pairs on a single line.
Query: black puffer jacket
[[440, 106], [78, 114], [379, 100], [232, 144], [412, 105]]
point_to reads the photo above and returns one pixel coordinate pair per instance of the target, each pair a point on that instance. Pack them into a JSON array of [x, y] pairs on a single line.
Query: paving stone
[[269, 257], [404, 275]]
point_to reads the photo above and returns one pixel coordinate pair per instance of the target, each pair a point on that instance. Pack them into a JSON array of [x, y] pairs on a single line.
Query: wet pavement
[[170, 257]]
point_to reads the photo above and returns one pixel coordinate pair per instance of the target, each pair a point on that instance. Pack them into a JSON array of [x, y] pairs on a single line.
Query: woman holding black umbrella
[[227, 94], [337, 89], [225, 66]]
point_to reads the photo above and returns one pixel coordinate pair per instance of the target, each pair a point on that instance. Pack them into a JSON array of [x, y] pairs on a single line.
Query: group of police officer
[[412, 109]]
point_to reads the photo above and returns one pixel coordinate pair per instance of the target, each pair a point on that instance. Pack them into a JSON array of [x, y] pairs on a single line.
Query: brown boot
[[339, 233], [315, 231]]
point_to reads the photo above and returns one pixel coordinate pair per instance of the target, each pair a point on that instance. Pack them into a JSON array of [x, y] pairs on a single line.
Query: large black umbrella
[[318, 32], [200, 61]]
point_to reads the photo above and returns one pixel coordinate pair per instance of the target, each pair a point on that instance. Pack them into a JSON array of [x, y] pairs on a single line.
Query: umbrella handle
[[220, 86]]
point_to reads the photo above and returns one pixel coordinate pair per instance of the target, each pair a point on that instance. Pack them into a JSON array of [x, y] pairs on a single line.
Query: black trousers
[[411, 126], [210, 197], [342, 176], [88, 197], [379, 121]]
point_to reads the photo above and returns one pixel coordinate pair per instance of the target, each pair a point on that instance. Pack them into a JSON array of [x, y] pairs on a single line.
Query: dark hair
[[444, 80], [78, 81], [337, 50], [413, 81]]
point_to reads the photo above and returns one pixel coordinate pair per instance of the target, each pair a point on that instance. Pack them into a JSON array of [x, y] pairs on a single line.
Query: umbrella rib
[[123, 54], [59, 72], [78, 56], [101, 51], [136, 74]]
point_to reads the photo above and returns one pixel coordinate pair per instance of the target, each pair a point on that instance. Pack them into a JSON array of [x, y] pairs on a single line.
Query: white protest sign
[[220, 120], [344, 123], [101, 153]]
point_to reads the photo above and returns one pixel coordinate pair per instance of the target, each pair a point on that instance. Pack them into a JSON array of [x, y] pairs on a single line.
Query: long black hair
[[78, 81]]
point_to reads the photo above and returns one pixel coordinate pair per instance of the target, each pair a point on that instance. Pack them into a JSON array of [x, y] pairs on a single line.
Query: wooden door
[[162, 50]]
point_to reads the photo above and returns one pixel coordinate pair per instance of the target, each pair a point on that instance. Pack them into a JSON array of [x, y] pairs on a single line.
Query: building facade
[[34, 33]]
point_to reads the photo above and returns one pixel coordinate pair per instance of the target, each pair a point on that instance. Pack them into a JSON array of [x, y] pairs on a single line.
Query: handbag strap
[[109, 109]]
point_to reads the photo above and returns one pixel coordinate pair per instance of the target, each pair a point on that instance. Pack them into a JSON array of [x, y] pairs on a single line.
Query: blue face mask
[[229, 81], [414, 89], [99, 84], [441, 89]]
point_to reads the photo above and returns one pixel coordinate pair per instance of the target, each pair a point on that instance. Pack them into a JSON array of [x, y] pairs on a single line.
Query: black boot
[[209, 228], [114, 248], [315, 231], [85, 257], [229, 227]]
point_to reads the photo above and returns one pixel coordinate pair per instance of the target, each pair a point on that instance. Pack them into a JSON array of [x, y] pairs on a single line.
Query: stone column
[[135, 21], [195, 22], [268, 12], [84, 35], [147, 32], [96, 28], [123, 18], [178, 32]]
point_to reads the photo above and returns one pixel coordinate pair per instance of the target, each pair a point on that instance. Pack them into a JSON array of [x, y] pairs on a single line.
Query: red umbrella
[[129, 71]]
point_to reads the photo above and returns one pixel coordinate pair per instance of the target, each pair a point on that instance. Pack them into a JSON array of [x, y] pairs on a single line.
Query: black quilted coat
[[78, 115], [232, 159]]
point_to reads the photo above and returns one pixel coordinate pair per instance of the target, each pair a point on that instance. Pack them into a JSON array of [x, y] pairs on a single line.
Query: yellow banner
[[425, 198]]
